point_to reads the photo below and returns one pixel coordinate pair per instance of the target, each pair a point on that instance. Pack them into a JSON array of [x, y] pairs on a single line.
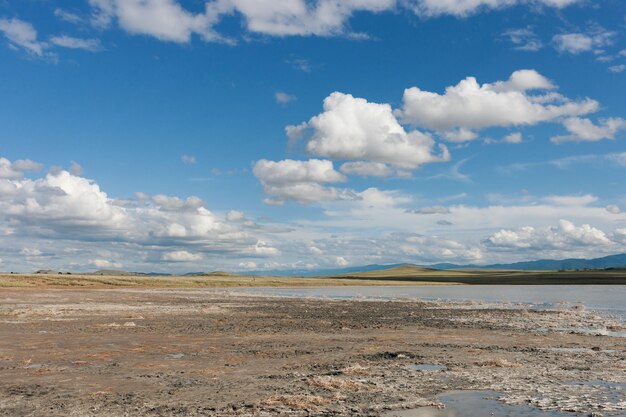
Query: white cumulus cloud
[[352, 128], [169, 20], [300, 17], [584, 130], [564, 236], [265, 249], [166, 20], [366, 169], [181, 256], [300, 181], [103, 263], [17, 168], [61, 205], [235, 216], [471, 105], [67, 222]]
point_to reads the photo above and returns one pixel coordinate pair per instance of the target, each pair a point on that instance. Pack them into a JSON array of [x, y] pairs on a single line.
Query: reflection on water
[[599, 332], [477, 404], [612, 392], [428, 367], [606, 298], [423, 412]]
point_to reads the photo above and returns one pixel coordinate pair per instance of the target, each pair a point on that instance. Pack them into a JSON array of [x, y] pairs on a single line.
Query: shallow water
[[429, 367], [602, 332], [481, 404], [607, 300], [610, 299], [613, 392]]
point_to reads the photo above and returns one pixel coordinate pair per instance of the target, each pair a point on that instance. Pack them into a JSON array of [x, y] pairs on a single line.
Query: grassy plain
[[404, 275], [494, 276], [204, 281]]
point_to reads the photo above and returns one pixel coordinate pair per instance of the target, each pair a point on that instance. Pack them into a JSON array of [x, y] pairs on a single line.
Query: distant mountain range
[[613, 261]]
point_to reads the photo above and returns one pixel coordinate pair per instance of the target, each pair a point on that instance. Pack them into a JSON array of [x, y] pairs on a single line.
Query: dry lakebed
[[205, 352]]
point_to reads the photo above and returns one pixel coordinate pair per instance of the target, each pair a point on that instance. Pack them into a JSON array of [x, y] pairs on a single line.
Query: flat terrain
[[200, 281], [199, 352], [494, 276], [404, 275]]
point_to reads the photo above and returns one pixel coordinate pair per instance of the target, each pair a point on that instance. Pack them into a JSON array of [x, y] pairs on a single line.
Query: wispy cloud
[[68, 16], [284, 98], [71, 42], [616, 69], [524, 39], [300, 64], [188, 159], [453, 197], [578, 42], [454, 173], [584, 130], [618, 159], [21, 34]]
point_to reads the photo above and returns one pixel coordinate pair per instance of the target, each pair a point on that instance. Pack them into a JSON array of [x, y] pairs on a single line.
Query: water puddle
[[593, 331], [607, 301], [429, 368], [611, 392], [569, 350], [480, 404]]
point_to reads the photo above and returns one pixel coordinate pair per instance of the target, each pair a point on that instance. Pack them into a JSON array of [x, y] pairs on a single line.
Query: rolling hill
[[612, 261]]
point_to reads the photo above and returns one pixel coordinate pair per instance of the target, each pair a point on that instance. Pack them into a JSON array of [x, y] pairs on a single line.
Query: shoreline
[[160, 352]]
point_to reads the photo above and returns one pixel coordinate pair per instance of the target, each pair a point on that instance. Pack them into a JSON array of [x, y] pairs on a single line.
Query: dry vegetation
[[203, 281], [411, 273], [332, 383], [408, 271], [403, 275], [498, 363], [298, 402]]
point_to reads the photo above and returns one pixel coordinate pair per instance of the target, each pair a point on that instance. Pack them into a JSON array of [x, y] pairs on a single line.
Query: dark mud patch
[[382, 356]]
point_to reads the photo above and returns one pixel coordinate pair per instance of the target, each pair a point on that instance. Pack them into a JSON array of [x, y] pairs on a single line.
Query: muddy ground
[[153, 352]]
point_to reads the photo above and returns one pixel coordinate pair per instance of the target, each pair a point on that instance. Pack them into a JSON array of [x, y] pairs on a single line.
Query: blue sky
[[251, 135]]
